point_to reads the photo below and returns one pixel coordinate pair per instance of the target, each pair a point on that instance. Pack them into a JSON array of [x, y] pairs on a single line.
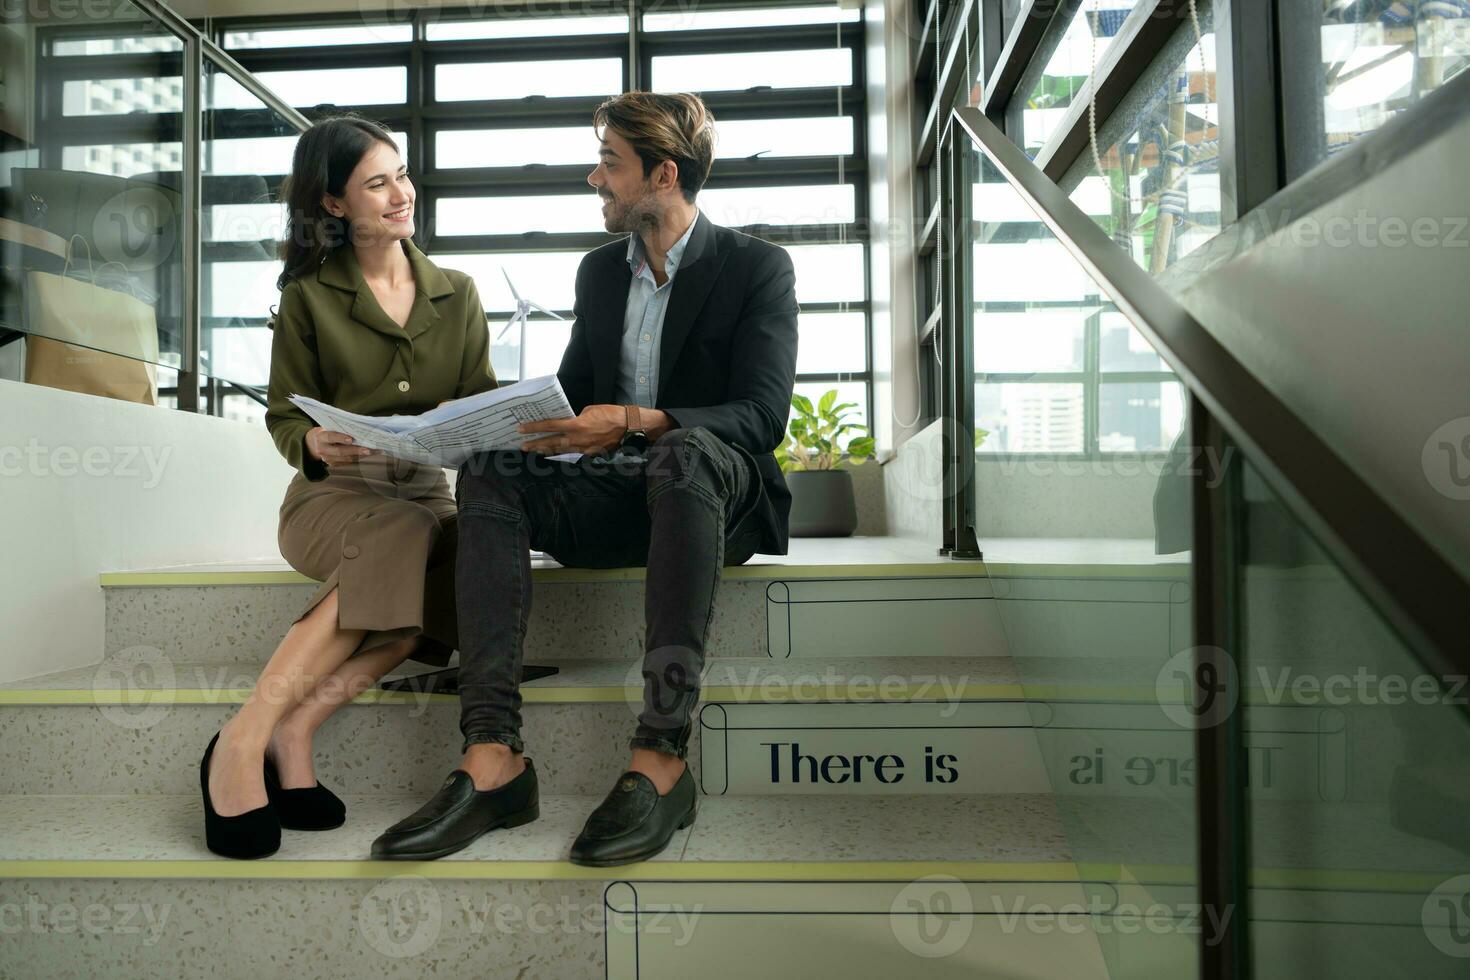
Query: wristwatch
[[635, 437]]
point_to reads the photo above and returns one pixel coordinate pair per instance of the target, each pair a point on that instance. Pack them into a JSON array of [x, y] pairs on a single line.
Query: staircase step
[[511, 904], [138, 725], [147, 836]]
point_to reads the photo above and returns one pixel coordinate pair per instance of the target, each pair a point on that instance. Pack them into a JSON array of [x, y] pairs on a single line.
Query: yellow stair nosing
[[545, 870]]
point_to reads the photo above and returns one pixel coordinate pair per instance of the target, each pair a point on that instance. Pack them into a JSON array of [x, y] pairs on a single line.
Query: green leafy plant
[[812, 437]]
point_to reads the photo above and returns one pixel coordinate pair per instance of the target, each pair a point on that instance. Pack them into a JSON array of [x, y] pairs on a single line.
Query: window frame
[[422, 118]]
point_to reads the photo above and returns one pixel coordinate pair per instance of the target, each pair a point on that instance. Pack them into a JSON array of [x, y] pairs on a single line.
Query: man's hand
[[597, 430]]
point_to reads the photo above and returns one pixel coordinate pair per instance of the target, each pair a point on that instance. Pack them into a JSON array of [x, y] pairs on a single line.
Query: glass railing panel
[[1085, 530], [1359, 759], [92, 289], [245, 152]]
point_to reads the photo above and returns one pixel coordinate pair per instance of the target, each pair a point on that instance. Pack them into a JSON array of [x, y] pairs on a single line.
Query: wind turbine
[[521, 316]]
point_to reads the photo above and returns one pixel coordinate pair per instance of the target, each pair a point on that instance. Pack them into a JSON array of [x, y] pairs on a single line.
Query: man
[[681, 366]]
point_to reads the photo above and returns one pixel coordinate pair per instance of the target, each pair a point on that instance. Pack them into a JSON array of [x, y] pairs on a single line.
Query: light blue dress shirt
[[643, 322]]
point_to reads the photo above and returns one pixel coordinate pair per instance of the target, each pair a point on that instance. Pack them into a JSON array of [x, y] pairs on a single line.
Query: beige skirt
[[383, 532]]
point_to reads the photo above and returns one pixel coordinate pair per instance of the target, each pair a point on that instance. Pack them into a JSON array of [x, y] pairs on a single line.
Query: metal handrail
[[1418, 592]]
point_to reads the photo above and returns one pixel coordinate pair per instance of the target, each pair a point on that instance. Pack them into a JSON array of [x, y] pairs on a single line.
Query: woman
[[368, 324]]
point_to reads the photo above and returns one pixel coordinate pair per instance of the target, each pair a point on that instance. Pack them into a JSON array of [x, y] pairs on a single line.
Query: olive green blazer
[[333, 342]]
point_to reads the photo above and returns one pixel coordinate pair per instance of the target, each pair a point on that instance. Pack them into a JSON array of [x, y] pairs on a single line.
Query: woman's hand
[[335, 448]]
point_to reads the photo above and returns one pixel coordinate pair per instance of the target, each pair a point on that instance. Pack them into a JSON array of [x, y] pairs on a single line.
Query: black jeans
[[683, 510]]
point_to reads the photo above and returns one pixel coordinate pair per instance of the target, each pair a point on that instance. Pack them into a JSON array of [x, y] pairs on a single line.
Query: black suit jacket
[[727, 358]]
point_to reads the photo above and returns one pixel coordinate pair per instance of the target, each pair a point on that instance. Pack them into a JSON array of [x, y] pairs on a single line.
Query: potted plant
[[822, 502]]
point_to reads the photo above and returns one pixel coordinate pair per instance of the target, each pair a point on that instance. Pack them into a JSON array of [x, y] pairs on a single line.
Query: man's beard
[[632, 217]]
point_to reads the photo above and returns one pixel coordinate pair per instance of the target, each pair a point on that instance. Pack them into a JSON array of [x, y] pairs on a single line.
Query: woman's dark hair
[[326, 154]]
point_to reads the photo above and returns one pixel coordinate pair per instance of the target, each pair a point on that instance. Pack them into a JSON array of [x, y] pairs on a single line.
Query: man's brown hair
[[662, 127]]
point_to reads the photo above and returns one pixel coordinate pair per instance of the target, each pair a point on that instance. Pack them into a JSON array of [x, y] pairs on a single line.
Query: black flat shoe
[[456, 815], [634, 822], [252, 834], [304, 808]]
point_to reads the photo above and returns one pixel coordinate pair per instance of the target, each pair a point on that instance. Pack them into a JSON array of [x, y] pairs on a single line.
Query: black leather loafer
[[634, 822], [456, 815], [304, 808]]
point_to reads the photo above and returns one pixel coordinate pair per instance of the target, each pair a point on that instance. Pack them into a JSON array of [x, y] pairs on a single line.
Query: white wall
[[894, 271], [90, 484]]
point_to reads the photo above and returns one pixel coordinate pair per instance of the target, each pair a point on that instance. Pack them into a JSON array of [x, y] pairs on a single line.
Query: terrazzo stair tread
[[171, 828], [118, 680], [730, 832]]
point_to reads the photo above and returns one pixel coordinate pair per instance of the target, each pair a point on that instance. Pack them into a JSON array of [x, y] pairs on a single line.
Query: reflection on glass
[[1377, 58], [243, 142], [91, 218], [521, 79], [1059, 74], [1359, 864], [116, 96], [137, 43], [746, 70], [1160, 156]]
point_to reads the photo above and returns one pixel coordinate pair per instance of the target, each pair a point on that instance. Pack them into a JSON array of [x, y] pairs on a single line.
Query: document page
[[451, 433]]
